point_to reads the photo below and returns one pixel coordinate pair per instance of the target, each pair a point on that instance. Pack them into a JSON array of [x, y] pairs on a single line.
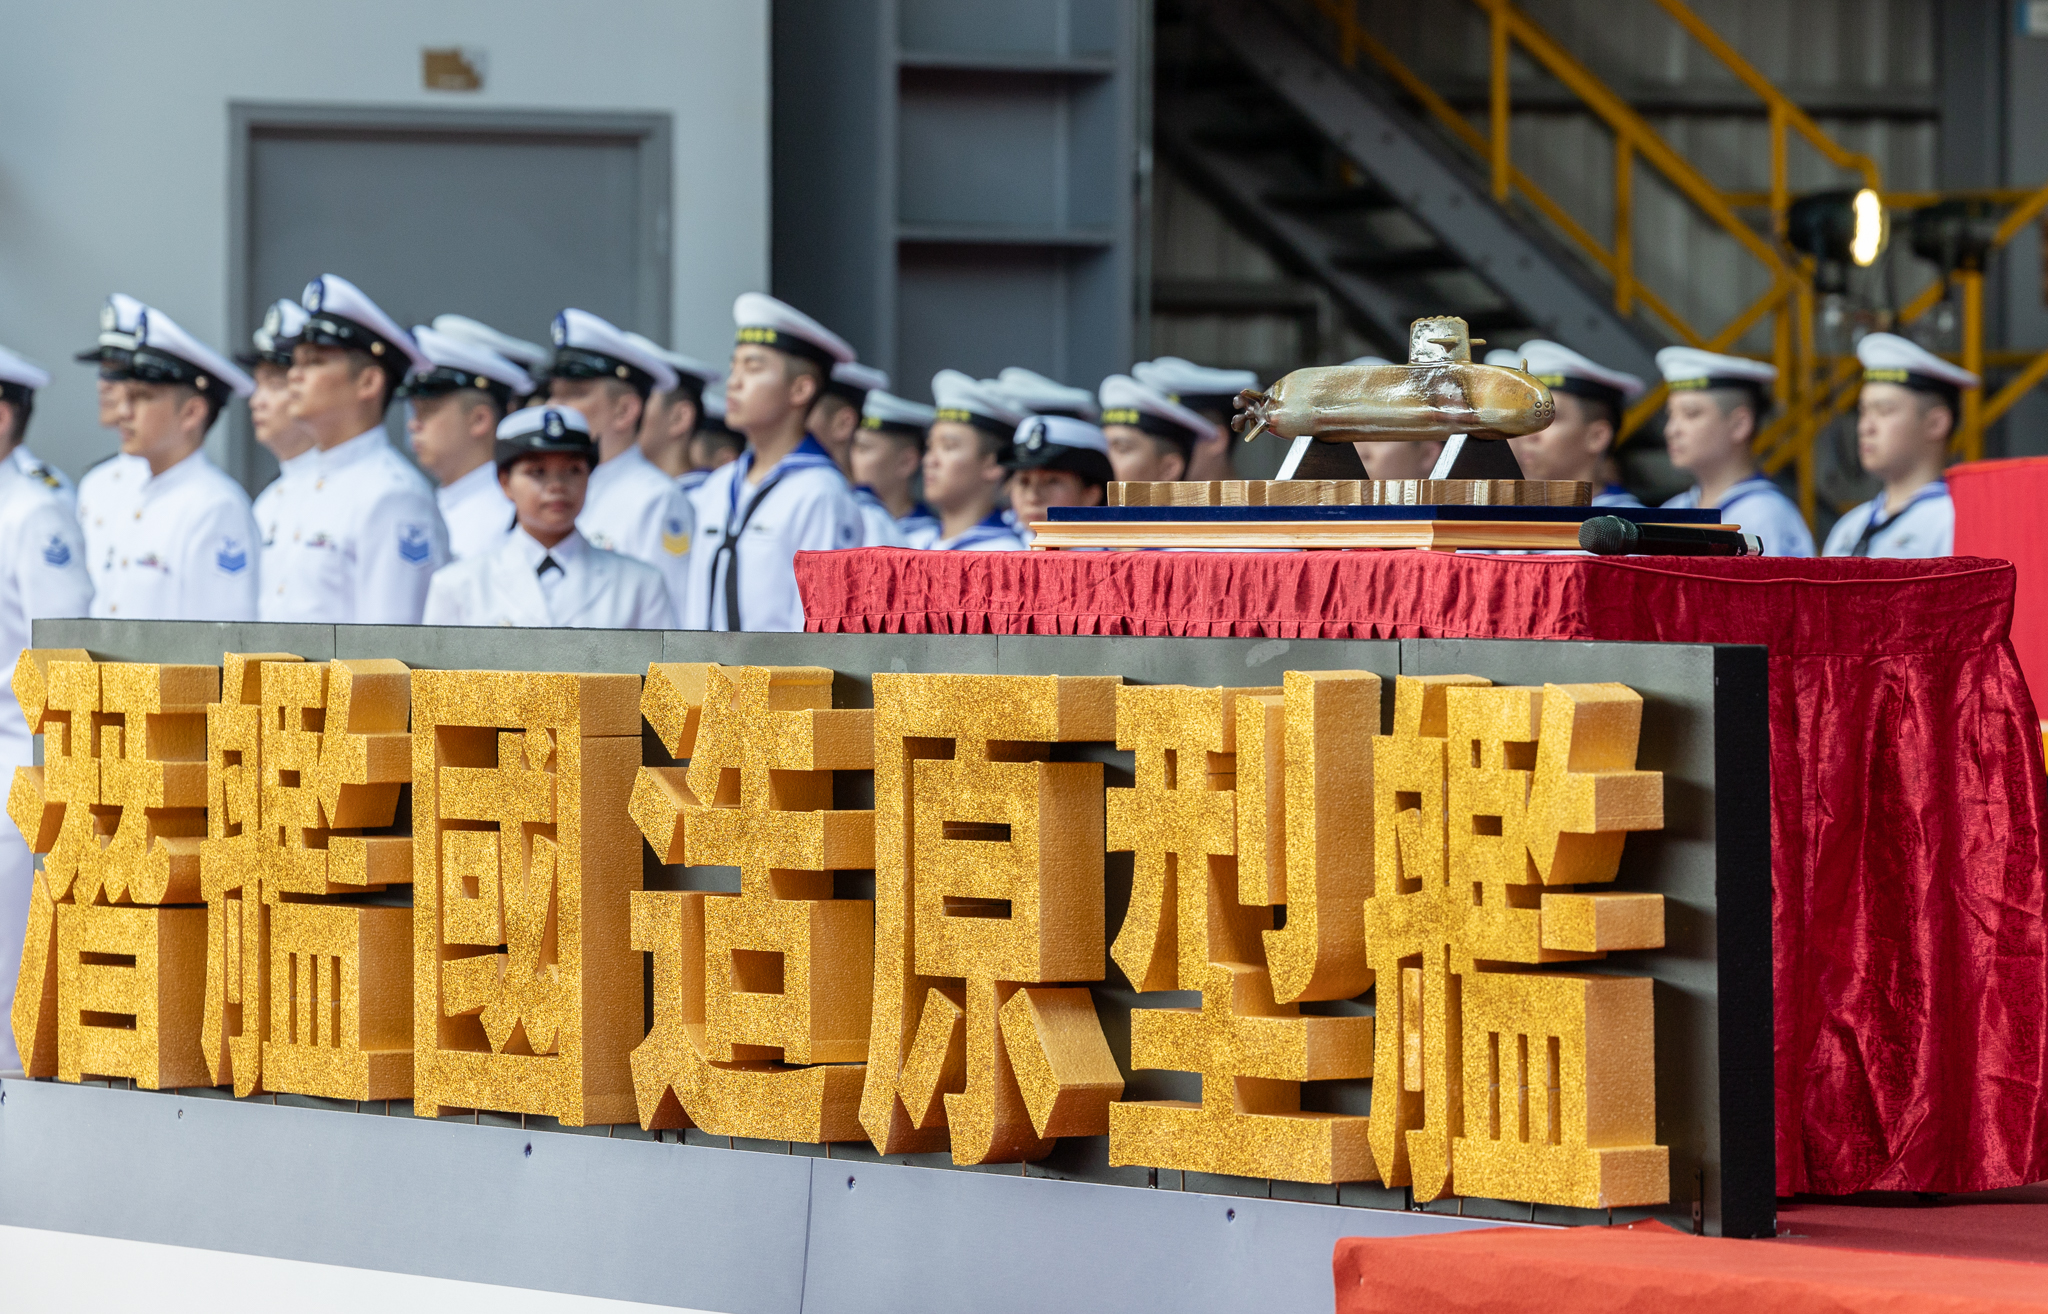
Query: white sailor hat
[[689, 370], [340, 314], [1126, 401], [887, 412], [1039, 395], [1688, 369], [539, 430], [118, 318], [589, 346], [275, 336], [458, 363], [1503, 356], [853, 381], [962, 399], [1561, 369], [18, 378], [166, 353], [1889, 358], [529, 356], [760, 318], [1190, 384], [1061, 442]]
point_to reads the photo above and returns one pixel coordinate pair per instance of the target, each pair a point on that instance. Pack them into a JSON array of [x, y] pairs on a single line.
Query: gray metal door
[[504, 217]]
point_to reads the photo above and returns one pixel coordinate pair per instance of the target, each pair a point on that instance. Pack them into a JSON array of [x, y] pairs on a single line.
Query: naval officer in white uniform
[[888, 452], [836, 418], [634, 507], [1151, 436], [1716, 409], [183, 544], [42, 574], [270, 412], [965, 464], [546, 573], [1908, 408], [361, 536], [453, 414], [1591, 400], [675, 416], [528, 356], [784, 495], [110, 353]]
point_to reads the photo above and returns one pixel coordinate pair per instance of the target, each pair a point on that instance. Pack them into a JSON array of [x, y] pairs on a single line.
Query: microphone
[[1613, 536]]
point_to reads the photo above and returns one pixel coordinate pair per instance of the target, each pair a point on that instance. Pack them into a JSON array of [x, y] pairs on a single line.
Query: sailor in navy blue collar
[[1717, 406], [784, 495], [888, 450], [1910, 401], [965, 464], [1591, 398]]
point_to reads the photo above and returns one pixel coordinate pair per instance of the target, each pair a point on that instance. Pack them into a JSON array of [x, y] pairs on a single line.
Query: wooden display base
[[1353, 492], [1243, 535]]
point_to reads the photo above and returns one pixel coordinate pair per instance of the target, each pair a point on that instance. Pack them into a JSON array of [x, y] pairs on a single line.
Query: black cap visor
[[576, 363]]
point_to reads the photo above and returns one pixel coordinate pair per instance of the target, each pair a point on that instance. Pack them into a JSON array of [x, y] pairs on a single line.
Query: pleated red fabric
[[1908, 796]]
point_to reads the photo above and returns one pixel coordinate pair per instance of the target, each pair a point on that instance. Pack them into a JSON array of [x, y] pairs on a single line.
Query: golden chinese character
[[1483, 798], [303, 758], [988, 887], [749, 989], [112, 974], [526, 988], [1245, 800]]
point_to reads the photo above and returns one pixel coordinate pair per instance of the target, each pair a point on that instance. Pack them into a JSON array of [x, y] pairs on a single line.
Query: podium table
[[1908, 799]]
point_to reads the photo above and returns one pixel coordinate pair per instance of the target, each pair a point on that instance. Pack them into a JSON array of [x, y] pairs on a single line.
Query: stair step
[[1329, 199], [1427, 260]]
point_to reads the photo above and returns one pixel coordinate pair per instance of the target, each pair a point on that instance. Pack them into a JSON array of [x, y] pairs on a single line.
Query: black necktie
[[547, 563]]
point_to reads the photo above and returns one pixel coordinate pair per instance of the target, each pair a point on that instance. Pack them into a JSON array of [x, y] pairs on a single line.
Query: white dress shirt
[[1924, 527], [802, 505], [181, 545], [881, 527], [635, 508], [573, 584], [920, 527], [358, 541], [476, 511], [42, 574], [273, 504], [1757, 505], [992, 534]]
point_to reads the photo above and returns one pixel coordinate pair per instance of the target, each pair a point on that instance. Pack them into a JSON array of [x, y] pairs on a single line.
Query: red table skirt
[[1906, 782]]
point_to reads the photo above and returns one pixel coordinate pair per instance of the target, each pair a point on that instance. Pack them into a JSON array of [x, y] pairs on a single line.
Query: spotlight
[[1954, 234], [1838, 229]]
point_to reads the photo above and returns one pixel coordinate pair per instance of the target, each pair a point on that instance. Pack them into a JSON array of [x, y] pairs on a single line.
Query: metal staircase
[[1351, 190]]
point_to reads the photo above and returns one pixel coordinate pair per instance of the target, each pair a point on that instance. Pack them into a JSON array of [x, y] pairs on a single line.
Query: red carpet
[[1650, 1268]]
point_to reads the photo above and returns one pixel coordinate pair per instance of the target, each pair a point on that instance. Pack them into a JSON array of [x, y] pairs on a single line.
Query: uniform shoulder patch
[[56, 552], [674, 540], [413, 543], [233, 558], [849, 535]]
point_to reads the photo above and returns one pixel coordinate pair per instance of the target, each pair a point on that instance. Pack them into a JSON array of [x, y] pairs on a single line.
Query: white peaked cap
[[159, 333], [118, 318], [449, 352], [1362, 361], [20, 373], [858, 377], [966, 399], [1503, 356], [1889, 358], [281, 323], [541, 419], [332, 295], [1690, 367], [1042, 396], [762, 319], [1127, 401], [528, 355], [579, 330], [1556, 366], [689, 367], [1178, 378], [1061, 431], [886, 410]]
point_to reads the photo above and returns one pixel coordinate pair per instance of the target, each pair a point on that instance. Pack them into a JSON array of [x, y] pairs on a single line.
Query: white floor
[[57, 1272]]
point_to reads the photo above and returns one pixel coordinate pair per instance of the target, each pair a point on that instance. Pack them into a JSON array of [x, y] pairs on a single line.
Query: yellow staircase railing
[[1788, 300]]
